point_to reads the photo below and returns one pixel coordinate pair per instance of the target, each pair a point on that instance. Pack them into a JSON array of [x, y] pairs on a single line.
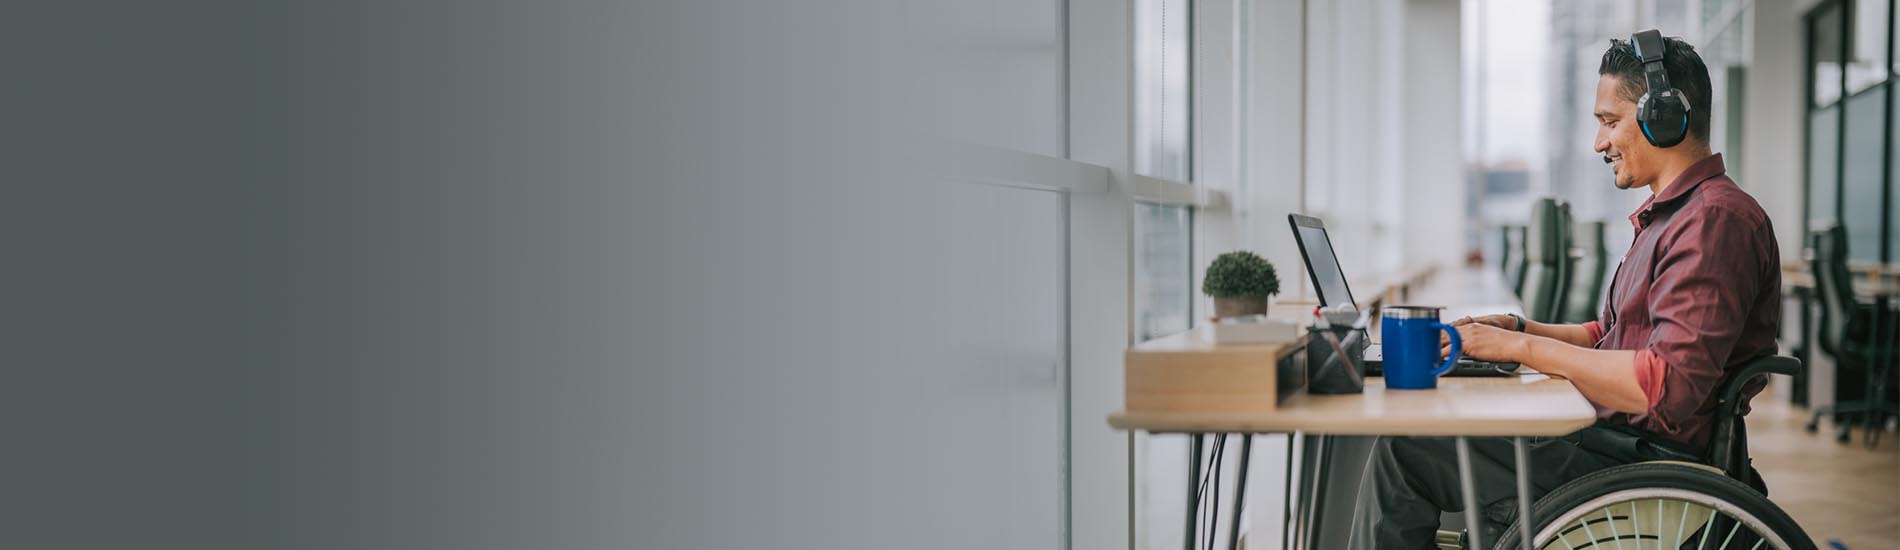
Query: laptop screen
[[1321, 264]]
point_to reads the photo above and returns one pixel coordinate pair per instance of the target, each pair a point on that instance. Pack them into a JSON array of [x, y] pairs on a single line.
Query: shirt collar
[[1697, 173]]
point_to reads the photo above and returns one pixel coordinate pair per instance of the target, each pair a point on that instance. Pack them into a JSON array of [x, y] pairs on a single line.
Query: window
[[1163, 254], [1848, 151], [1867, 64], [1162, 69], [1863, 156], [1824, 39], [1823, 167], [1163, 267]]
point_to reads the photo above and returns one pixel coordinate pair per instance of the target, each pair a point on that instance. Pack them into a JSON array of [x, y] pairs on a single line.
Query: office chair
[[1514, 270], [1847, 334], [1564, 266], [1588, 257], [1682, 499], [1506, 257], [1545, 252]]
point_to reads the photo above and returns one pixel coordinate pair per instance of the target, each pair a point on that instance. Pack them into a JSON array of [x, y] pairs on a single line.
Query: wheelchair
[[1717, 501]]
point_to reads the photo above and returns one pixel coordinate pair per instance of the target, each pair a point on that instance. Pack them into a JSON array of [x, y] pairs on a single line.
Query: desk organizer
[[1188, 372], [1327, 372]]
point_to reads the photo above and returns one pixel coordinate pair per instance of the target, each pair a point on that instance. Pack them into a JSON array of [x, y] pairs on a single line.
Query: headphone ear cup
[[1672, 126]]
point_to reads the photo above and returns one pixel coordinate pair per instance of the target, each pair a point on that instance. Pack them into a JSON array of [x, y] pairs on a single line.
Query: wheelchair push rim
[[1699, 533]]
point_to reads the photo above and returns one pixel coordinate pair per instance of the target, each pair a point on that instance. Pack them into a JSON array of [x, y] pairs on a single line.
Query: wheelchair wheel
[[1658, 505]]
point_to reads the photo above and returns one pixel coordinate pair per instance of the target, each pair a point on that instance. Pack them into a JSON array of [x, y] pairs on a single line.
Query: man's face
[[1618, 137]]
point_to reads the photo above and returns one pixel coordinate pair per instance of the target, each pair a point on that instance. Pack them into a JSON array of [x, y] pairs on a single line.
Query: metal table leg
[[1523, 491], [1314, 502], [1465, 483], [1288, 518], [1194, 479], [1240, 491]]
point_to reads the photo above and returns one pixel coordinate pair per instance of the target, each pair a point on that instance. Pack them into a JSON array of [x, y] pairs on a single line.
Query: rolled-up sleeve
[[1704, 280]]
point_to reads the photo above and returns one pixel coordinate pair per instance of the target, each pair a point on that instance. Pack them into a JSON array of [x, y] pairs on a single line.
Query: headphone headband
[[1649, 49], [1649, 45], [1663, 112]]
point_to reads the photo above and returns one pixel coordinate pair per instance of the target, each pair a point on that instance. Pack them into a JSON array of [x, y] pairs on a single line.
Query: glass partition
[[1862, 165], [1867, 49], [1823, 168]]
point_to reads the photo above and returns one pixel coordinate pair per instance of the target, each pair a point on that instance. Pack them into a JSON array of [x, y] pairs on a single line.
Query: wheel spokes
[[1581, 533]]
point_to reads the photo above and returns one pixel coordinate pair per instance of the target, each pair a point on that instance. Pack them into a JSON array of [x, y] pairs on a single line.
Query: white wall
[[1773, 154], [1383, 154], [1772, 145], [1432, 169], [1274, 166]]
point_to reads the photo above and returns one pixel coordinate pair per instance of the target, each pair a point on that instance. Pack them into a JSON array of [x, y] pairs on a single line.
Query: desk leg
[[1313, 502], [1193, 489], [1523, 491], [1465, 483], [1240, 491], [1288, 519]]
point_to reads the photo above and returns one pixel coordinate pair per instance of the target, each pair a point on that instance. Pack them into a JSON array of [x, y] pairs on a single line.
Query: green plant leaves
[[1240, 274]]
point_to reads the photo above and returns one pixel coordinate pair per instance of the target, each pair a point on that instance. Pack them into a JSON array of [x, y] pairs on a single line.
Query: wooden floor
[[1836, 492]]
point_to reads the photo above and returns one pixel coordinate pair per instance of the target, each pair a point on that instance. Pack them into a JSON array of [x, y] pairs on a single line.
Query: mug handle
[[1457, 348]]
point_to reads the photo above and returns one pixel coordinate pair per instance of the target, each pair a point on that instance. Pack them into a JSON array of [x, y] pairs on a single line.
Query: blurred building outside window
[[1163, 149]]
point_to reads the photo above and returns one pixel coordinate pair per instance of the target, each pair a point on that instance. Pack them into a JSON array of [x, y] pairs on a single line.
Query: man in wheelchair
[[1696, 297]]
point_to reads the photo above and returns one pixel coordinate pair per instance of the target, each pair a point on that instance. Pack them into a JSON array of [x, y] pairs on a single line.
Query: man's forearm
[[1574, 335], [1607, 377]]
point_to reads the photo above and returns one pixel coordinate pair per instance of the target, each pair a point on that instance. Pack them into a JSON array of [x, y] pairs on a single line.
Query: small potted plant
[[1240, 283]]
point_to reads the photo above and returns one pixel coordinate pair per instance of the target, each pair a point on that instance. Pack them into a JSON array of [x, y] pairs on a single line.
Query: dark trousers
[[1409, 481]]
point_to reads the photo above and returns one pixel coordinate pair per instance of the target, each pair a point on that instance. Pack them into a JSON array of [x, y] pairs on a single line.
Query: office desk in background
[[1873, 282]]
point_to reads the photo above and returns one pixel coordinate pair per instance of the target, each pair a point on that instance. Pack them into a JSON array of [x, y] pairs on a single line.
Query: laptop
[[1329, 282]]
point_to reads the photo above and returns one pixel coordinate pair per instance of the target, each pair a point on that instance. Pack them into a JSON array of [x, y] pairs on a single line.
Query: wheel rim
[[1613, 513]]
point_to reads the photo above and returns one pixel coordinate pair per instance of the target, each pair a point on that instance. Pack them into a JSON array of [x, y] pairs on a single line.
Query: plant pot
[[1237, 307]]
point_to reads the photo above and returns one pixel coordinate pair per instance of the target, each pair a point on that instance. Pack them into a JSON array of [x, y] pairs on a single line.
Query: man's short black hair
[[1686, 73]]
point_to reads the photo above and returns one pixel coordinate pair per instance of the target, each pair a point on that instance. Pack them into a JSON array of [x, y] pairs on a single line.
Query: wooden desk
[[1534, 405], [1865, 287], [1860, 268]]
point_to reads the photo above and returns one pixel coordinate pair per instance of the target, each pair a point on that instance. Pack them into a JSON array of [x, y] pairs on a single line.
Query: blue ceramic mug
[[1411, 347]]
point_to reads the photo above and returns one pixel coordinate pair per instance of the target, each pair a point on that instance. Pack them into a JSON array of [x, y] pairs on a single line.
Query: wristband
[[1520, 321]]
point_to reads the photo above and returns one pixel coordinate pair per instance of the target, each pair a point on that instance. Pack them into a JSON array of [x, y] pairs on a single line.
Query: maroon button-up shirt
[[1697, 296]]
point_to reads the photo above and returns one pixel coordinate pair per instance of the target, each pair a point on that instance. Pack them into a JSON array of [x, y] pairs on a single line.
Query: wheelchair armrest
[[1731, 389], [1728, 444]]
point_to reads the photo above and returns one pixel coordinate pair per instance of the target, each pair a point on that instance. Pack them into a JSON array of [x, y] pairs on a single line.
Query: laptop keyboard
[[1375, 354]]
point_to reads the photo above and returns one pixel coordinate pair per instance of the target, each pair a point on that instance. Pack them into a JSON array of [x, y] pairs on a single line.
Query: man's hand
[[1503, 321], [1485, 342]]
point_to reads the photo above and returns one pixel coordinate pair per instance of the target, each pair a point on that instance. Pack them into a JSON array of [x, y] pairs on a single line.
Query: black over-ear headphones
[[1663, 112]]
